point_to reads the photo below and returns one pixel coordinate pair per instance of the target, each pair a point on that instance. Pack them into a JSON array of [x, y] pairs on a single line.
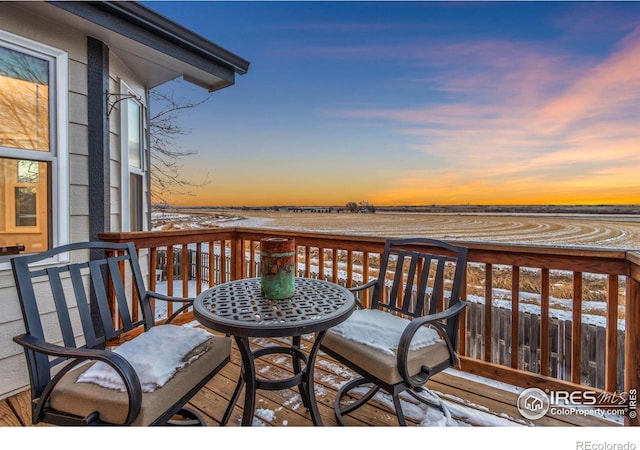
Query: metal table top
[[238, 308]]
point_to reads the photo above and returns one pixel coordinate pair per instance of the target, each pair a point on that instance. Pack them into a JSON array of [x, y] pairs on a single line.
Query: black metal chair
[[65, 299], [423, 292]]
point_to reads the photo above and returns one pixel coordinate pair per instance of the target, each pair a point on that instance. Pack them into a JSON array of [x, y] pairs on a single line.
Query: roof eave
[[128, 28], [144, 17]]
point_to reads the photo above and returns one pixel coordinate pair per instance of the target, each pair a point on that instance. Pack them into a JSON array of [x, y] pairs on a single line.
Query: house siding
[[38, 28]]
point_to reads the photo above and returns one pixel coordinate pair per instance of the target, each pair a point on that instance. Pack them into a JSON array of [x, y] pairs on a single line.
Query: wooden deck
[[469, 402]]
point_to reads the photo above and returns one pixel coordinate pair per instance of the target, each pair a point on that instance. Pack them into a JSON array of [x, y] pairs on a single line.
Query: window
[[133, 176], [27, 193], [24, 100], [33, 174], [134, 133]]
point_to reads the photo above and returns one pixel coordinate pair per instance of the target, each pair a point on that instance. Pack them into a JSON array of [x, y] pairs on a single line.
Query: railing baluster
[[252, 259], [198, 268], [223, 261], [185, 270], [576, 329], [153, 259], [515, 316], [365, 278], [169, 278], [237, 259], [212, 259], [153, 267], [349, 268], [544, 322], [321, 263], [611, 347], [488, 300], [334, 275], [307, 261]]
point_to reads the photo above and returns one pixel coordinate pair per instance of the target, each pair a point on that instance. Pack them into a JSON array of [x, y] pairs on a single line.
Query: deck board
[[470, 402], [7, 417]]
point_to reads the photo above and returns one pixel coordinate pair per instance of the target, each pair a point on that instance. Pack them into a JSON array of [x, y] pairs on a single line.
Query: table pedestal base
[[302, 377]]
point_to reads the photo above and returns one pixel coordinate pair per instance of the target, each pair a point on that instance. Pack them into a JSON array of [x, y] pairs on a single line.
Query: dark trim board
[[98, 125]]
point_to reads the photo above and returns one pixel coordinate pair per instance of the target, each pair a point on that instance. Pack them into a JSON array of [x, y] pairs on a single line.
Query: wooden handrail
[[335, 260]]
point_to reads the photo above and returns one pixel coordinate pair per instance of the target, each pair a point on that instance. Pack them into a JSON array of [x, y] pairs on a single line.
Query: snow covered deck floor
[[470, 402]]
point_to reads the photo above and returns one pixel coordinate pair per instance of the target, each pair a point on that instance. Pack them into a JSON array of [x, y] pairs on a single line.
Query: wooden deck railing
[[497, 274]]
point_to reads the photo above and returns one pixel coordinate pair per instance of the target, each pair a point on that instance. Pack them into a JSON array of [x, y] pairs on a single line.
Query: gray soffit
[[155, 48]]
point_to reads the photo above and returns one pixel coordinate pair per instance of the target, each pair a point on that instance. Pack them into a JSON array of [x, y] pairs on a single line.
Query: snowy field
[[597, 230]]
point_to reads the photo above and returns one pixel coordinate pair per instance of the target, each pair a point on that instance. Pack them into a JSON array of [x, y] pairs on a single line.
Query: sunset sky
[[417, 103]]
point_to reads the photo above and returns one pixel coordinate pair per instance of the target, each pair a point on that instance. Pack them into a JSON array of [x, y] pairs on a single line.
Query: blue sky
[[417, 103]]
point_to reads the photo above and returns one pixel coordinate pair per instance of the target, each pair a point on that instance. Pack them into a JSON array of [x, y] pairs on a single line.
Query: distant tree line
[[360, 207]]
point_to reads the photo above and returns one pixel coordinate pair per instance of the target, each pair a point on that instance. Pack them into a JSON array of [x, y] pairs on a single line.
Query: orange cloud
[[528, 126]]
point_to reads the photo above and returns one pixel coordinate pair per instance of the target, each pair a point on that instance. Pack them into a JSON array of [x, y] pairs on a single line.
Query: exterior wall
[[12, 19], [13, 370], [120, 73]]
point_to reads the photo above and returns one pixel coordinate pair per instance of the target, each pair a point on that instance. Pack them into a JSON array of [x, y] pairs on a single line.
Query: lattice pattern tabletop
[[239, 308]]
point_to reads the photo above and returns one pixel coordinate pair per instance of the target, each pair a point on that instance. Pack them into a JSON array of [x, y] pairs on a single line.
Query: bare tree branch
[[166, 154]]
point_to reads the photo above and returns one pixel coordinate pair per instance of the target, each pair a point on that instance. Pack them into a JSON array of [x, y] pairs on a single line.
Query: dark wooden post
[[99, 160], [98, 156]]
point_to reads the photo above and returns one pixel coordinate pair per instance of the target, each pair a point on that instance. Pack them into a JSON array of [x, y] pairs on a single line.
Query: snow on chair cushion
[[381, 331], [156, 355]]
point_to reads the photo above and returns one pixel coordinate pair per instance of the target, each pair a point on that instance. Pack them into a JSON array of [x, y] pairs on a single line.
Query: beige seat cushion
[[82, 399], [381, 365]]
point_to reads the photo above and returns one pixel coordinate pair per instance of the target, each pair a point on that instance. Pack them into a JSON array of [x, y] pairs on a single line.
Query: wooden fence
[[593, 345]]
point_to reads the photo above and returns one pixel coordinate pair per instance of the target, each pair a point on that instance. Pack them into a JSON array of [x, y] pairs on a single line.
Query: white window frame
[[126, 169], [58, 154]]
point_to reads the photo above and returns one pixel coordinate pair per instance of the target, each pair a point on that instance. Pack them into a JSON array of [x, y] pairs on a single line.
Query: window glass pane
[[26, 211], [134, 131], [24, 204], [28, 171], [135, 202], [24, 101]]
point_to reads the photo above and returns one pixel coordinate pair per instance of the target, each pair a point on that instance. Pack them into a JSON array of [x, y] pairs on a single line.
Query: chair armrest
[[435, 321], [362, 287], [80, 355], [168, 298], [187, 300], [438, 317]]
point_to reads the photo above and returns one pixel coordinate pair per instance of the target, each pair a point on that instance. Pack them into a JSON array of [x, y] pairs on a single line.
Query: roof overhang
[[155, 48]]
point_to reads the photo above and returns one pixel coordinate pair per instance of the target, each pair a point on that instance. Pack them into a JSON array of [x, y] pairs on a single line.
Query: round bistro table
[[238, 308]]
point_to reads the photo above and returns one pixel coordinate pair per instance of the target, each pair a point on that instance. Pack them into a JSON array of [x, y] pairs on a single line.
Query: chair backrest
[[66, 294], [420, 276]]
